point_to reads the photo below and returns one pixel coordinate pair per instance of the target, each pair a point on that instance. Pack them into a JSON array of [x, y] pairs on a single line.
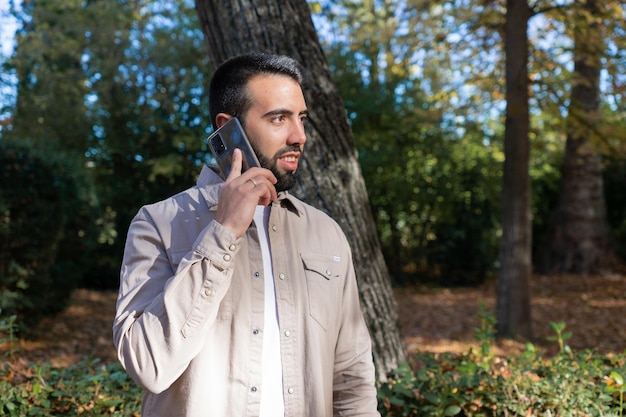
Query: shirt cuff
[[218, 244]]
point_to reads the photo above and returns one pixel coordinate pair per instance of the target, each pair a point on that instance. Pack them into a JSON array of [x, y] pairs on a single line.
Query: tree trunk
[[513, 287], [330, 176], [578, 237]]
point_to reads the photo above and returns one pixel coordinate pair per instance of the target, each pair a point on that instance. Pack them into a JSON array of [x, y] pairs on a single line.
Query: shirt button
[[253, 389], [287, 333], [232, 247], [227, 257], [207, 292], [290, 390], [274, 227], [328, 272], [256, 274], [255, 332], [281, 276]]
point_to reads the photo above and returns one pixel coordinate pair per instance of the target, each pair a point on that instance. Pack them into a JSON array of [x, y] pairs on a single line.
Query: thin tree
[[513, 286], [330, 177]]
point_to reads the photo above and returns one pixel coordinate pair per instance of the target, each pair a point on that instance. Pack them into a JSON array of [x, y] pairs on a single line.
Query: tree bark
[[577, 240], [513, 286], [330, 177]]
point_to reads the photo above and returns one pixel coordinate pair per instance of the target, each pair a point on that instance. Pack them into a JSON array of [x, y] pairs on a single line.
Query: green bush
[[88, 388], [581, 384], [475, 383], [481, 384], [436, 204], [470, 384], [44, 231]]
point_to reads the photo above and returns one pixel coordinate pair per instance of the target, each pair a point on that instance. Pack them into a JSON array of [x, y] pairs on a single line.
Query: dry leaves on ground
[[593, 309], [435, 320]]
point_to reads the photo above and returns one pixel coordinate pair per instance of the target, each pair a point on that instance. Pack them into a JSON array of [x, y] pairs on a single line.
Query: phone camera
[[218, 145]]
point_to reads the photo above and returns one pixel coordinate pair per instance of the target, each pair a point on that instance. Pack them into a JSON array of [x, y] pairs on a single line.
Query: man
[[236, 298]]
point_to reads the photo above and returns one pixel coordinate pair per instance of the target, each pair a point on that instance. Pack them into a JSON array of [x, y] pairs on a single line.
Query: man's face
[[274, 124]]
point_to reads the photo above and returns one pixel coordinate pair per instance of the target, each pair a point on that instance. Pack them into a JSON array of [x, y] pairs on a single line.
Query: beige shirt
[[189, 321]]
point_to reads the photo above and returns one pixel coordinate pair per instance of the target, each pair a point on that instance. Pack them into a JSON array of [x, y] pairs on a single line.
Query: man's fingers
[[236, 164], [263, 188]]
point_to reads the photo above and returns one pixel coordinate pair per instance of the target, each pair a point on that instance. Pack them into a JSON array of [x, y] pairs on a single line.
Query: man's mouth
[[289, 161]]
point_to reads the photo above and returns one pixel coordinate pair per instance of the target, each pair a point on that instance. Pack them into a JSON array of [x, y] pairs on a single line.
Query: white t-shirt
[[272, 399]]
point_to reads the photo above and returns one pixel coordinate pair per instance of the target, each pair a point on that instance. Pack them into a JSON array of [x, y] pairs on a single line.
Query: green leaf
[[396, 401], [617, 377], [452, 410], [557, 327], [432, 398]]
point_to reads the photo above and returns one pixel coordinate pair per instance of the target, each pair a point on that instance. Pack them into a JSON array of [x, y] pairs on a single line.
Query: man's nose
[[297, 134]]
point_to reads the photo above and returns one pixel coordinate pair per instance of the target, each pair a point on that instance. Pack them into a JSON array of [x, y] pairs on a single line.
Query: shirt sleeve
[[354, 390], [161, 312]]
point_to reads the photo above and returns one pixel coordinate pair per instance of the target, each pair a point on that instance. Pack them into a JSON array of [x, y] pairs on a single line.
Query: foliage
[[433, 187], [465, 234], [481, 384], [474, 383], [118, 87], [50, 107], [88, 388], [419, 77], [8, 331], [39, 202]]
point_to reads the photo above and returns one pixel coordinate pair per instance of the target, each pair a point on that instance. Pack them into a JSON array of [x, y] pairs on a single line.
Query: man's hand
[[241, 193]]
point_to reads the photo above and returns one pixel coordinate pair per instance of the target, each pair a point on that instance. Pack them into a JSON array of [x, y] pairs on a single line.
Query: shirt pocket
[[322, 274]]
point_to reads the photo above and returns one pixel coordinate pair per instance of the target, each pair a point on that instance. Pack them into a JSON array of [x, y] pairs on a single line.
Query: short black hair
[[227, 91]]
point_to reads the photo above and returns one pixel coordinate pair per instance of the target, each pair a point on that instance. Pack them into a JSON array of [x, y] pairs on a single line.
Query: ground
[[593, 309], [432, 319]]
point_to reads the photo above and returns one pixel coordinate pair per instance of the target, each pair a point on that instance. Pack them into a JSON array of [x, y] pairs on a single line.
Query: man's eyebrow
[[285, 111]]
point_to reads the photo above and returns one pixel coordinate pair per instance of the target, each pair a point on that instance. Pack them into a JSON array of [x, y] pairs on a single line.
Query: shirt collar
[[209, 183]]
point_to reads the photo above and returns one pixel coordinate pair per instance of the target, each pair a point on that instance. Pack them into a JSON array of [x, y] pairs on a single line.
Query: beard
[[286, 180]]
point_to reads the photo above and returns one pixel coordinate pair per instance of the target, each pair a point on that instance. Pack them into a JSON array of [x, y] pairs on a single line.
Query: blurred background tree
[[433, 184], [46, 232], [578, 237], [117, 90]]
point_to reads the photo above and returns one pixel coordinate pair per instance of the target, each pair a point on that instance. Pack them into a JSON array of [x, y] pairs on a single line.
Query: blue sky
[[8, 25], [7, 28]]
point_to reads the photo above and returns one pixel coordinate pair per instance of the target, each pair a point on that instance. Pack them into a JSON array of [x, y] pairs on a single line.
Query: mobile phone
[[225, 140]]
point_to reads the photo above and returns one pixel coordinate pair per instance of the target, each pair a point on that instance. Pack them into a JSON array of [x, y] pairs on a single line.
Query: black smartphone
[[225, 140]]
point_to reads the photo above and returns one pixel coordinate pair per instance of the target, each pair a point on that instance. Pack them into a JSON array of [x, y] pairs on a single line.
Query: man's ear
[[221, 119]]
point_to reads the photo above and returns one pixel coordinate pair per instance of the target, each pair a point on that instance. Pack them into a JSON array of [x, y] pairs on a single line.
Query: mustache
[[287, 149]]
